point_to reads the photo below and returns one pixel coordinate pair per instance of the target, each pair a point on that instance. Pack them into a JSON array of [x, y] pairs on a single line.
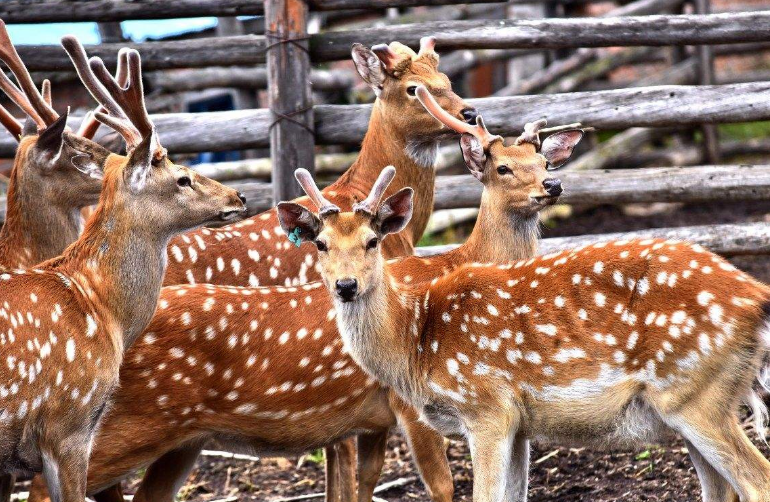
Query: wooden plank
[[664, 184], [728, 239], [471, 34], [292, 140], [242, 78], [662, 106], [52, 11]]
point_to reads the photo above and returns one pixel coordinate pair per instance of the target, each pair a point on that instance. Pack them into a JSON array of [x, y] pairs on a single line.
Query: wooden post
[[292, 139], [706, 77]]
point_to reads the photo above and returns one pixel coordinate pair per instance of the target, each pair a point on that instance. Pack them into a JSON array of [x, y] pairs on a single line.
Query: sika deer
[[237, 373], [55, 173], [612, 343], [67, 322]]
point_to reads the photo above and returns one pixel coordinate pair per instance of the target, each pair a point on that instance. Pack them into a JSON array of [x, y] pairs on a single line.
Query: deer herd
[[138, 339]]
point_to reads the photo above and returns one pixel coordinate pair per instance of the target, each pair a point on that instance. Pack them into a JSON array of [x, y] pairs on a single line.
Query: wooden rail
[[658, 30], [728, 239]]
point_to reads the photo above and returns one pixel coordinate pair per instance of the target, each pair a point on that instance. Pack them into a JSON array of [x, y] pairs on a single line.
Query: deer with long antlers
[[55, 172], [66, 323], [237, 372], [617, 342]]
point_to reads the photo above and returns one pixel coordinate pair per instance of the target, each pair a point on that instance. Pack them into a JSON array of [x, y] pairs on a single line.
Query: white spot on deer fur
[[162, 400], [559, 301], [434, 346], [598, 267], [600, 299], [452, 366], [715, 313], [90, 326], [546, 329], [619, 356], [283, 338], [463, 358], [503, 294], [632, 339], [492, 309], [582, 314], [533, 357], [513, 355], [564, 355], [273, 272], [178, 256], [236, 265], [70, 349], [704, 297], [643, 286], [704, 343], [533, 284], [706, 270], [576, 279]]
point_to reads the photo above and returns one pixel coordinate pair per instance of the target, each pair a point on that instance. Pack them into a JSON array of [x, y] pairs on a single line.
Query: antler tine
[[90, 124], [9, 122], [45, 90], [531, 132], [11, 58], [431, 105], [18, 97], [370, 204], [308, 185], [427, 44]]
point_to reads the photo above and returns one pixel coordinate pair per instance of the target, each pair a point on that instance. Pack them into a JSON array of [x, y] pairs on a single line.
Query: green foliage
[[743, 131], [317, 457]]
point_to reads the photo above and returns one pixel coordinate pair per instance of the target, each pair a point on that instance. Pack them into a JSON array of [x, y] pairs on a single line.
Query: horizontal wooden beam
[[663, 106], [659, 30], [728, 239], [242, 78], [664, 184], [53, 11]]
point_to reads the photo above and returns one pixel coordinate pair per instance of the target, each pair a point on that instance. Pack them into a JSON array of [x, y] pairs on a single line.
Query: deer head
[[169, 196], [394, 72], [516, 175], [53, 164], [348, 243]]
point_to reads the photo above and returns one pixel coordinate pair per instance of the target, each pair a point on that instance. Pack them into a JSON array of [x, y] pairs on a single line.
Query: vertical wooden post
[[706, 77], [292, 141]]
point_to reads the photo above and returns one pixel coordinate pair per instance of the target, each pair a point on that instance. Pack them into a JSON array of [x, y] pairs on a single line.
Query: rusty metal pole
[[705, 56], [292, 141]]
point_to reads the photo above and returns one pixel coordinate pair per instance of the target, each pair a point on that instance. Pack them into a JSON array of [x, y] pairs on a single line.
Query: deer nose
[[469, 115], [346, 289], [552, 186], [242, 197]]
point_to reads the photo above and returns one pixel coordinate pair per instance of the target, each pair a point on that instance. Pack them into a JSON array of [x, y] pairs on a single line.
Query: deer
[[221, 381], [400, 132], [56, 172], [67, 322], [611, 343]]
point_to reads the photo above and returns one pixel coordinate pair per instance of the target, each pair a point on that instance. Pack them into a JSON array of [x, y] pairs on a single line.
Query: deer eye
[[504, 170], [411, 90], [372, 243], [320, 245], [184, 181]]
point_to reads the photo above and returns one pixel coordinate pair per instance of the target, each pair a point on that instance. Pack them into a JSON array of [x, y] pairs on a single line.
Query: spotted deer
[[55, 172], [237, 373], [66, 323], [400, 132], [612, 343]]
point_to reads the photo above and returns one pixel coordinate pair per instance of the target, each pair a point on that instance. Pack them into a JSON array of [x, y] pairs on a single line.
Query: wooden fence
[[641, 28]]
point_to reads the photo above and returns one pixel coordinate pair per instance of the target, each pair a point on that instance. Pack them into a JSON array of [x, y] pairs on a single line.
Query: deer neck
[[501, 235], [381, 330], [35, 229], [413, 160]]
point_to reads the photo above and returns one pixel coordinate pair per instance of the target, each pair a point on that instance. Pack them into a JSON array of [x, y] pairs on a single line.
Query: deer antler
[[370, 204], [90, 124], [124, 103], [479, 130], [30, 100], [308, 185], [531, 133], [427, 44]]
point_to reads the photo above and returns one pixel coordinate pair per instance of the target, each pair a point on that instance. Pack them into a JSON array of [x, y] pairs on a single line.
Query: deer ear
[[369, 67], [299, 223], [139, 164], [90, 163], [473, 154], [557, 148], [49, 142], [394, 214], [29, 128]]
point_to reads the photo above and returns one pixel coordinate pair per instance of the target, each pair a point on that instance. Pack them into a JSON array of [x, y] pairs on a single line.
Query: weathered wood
[[728, 240], [241, 78], [686, 156], [325, 164], [472, 34], [52, 11], [665, 184], [292, 140], [706, 77], [664, 106]]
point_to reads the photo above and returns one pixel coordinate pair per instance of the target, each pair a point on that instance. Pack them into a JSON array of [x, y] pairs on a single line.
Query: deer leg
[[721, 441], [113, 493], [332, 474], [65, 468], [167, 474], [518, 475], [429, 451], [715, 488], [491, 442], [6, 487], [346, 469], [371, 457]]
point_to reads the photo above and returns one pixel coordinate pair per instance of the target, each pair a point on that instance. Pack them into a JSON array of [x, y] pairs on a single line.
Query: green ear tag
[[294, 236]]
